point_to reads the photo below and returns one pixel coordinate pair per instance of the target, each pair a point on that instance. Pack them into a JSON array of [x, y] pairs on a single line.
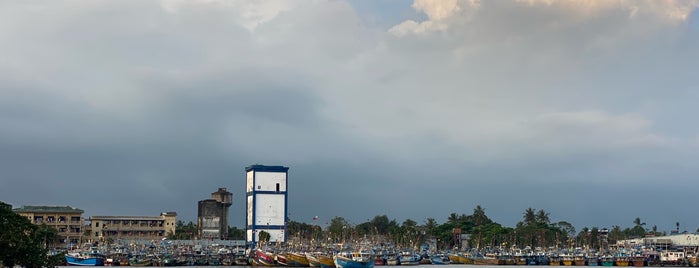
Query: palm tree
[[529, 216], [638, 222], [542, 216], [479, 216], [453, 218], [430, 225]]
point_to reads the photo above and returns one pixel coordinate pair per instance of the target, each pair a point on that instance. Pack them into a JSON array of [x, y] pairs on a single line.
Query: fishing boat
[[263, 258], [459, 258], [88, 258], [141, 261], [354, 259], [566, 260], [592, 260], [280, 259], [621, 259], [672, 257], [607, 260], [554, 260], [326, 261], [692, 260], [488, 259], [312, 260], [409, 258], [439, 259], [540, 258], [295, 259], [380, 259], [638, 261]]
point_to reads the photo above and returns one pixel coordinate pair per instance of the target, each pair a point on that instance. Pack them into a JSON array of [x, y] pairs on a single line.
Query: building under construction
[[212, 215]]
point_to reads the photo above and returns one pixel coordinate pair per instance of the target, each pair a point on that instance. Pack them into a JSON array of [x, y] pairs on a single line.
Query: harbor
[[236, 253]]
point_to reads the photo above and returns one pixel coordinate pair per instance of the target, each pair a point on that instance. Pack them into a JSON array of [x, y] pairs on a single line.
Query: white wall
[[269, 209], [249, 218], [267, 181], [248, 181]]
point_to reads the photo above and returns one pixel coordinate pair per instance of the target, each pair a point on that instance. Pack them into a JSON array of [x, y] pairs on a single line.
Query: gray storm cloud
[[141, 107]]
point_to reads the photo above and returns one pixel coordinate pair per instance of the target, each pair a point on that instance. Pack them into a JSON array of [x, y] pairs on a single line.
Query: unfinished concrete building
[[212, 215]]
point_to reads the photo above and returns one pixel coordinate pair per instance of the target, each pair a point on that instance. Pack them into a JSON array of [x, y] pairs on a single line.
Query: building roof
[[169, 213], [48, 209], [126, 218], [267, 168]]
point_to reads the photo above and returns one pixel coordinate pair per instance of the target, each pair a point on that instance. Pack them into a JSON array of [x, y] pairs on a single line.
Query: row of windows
[[130, 223], [67, 230], [55, 219]]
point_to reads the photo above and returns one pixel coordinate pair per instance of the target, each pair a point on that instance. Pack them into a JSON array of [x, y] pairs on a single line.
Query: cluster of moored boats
[[367, 257]]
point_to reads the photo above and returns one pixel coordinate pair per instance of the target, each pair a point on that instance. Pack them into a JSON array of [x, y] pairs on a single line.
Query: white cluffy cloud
[[437, 13], [442, 14]]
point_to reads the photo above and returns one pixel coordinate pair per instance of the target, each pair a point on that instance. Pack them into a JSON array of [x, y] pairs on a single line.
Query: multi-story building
[[212, 215], [132, 227], [68, 221], [266, 195]]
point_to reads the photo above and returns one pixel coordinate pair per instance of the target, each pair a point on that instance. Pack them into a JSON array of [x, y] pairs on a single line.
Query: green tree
[[430, 225], [566, 227], [21, 242], [479, 216], [529, 216], [453, 218], [236, 234], [542, 217], [616, 234], [338, 228], [264, 237], [184, 231]]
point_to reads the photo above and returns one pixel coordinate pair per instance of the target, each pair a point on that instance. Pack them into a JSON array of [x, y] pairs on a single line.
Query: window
[[97, 224], [277, 187]]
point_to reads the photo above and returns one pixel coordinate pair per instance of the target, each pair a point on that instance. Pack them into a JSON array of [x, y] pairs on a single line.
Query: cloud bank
[[575, 107]]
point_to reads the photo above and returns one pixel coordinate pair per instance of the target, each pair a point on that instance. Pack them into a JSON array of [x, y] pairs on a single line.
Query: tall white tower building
[[266, 194]]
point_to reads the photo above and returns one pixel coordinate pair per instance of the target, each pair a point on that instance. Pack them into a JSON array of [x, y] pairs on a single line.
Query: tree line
[[536, 229]]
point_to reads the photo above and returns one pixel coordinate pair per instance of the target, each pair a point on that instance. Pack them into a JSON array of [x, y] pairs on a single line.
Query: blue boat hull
[[439, 261], [91, 261], [341, 262]]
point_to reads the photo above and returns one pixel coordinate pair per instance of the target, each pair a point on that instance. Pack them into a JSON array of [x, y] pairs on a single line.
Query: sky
[[414, 110]]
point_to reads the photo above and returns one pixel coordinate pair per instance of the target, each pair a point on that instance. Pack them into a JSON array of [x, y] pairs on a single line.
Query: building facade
[[212, 215], [266, 195], [104, 228], [68, 221]]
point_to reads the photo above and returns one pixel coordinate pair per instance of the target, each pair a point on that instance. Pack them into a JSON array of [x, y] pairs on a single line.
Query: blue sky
[[411, 109]]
